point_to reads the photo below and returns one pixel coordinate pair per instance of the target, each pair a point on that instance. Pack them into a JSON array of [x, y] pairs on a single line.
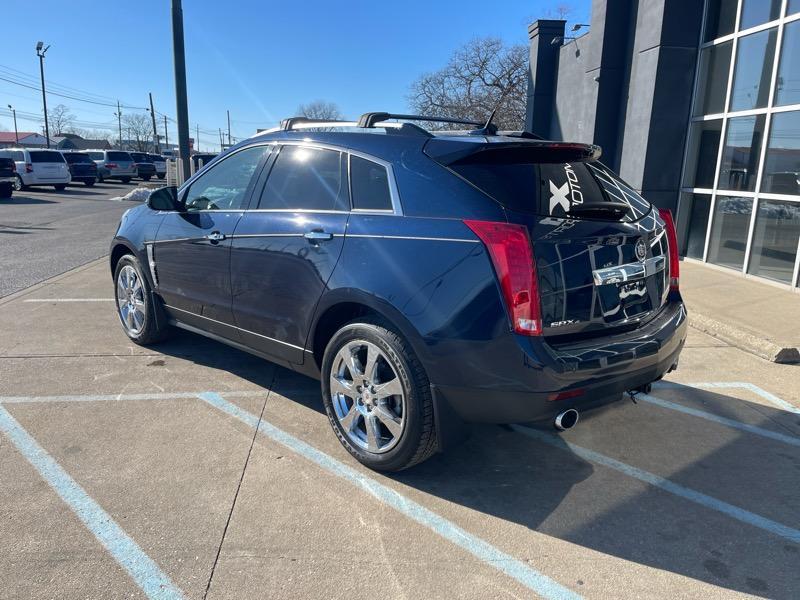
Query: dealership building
[[697, 105]]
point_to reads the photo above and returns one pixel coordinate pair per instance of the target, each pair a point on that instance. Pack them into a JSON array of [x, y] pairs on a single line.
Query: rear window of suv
[[45, 156], [119, 156], [551, 189], [73, 158], [140, 157], [13, 154]]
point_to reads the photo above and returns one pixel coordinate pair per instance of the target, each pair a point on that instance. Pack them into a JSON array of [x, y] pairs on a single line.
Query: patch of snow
[[136, 195]]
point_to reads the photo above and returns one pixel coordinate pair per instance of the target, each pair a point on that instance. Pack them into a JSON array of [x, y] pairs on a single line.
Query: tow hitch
[[642, 389]]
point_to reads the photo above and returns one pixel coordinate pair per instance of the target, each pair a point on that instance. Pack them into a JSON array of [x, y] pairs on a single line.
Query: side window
[[369, 183], [307, 179], [224, 185]]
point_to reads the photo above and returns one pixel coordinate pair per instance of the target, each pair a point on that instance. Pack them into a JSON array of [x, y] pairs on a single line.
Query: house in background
[[27, 139], [72, 141]]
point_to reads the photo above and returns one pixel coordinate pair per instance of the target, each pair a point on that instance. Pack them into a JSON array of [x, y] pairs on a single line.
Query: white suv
[[38, 167]]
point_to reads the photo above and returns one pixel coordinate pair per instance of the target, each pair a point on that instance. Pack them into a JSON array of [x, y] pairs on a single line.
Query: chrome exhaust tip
[[567, 419]]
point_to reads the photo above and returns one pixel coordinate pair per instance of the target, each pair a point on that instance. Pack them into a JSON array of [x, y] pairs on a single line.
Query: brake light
[[111, 165], [28, 168], [510, 249], [672, 241]]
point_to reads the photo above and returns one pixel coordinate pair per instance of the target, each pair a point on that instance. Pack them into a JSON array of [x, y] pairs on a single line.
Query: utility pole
[[197, 136], [40, 54], [14, 112], [179, 58], [166, 133], [155, 131], [221, 143], [118, 114], [229, 127]]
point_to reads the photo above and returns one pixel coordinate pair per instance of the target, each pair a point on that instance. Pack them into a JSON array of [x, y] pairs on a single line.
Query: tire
[[6, 190], [150, 327], [412, 438], [19, 186], [60, 187], [89, 182], [100, 179], [146, 177], [161, 175], [126, 180]]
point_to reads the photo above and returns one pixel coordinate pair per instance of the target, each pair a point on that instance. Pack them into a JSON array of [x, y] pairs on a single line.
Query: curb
[[749, 343], [51, 280]]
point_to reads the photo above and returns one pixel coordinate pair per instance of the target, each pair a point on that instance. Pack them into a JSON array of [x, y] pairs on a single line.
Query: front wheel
[[60, 187], [6, 190], [378, 397], [18, 185], [136, 307]]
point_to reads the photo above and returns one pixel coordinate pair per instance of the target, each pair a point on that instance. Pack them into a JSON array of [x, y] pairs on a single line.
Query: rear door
[[600, 248], [284, 251], [191, 254], [48, 165]]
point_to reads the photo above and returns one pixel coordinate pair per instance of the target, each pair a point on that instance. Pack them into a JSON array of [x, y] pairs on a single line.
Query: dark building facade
[[697, 105]]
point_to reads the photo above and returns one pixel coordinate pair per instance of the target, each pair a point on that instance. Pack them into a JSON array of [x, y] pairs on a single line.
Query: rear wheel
[[100, 179], [18, 185], [89, 182], [126, 180], [6, 189], [378, 397], [136, 307], [161, 175], [60, 187], [146, 177]]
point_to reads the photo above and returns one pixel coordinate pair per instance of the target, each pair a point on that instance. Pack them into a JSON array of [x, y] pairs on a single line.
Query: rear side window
[[369, 185], [44, 156], [13, 154], [551, 189], [119, 156], [306, 179]]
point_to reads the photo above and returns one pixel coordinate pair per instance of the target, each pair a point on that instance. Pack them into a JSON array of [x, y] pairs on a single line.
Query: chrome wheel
[[18, 185], [367, 397], [130, 300]]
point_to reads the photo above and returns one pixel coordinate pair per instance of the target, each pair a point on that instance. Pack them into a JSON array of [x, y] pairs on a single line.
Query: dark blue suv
[[428, 279]]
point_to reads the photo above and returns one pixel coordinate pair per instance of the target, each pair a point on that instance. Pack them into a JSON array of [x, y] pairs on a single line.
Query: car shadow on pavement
[[547, 488], [19, 199]]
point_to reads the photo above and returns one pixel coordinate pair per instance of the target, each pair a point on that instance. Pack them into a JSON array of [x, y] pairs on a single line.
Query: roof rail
[[305, 123], [370, 119]]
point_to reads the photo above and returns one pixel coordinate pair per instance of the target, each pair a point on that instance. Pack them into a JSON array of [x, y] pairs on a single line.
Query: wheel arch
[[342, 306], [119, 248]]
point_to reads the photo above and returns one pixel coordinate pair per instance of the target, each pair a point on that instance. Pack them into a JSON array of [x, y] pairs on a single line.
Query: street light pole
[[180, 86], [40, 53], [14, 113]]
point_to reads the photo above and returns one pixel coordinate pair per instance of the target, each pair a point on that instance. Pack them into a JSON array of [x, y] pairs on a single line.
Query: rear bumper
[[600, 369]]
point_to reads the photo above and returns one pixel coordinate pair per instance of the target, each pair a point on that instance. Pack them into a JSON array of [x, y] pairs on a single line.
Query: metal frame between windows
[[725, 116]]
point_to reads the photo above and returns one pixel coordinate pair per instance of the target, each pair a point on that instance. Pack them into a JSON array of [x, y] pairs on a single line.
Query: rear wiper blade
[[600, 210]]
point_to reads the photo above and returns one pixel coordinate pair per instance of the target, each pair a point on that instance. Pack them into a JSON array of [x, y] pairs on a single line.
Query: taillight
[[28, 168], [111, 165], [672, 241], [512, 256]]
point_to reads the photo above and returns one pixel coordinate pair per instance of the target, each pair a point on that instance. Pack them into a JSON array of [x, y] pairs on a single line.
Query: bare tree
[[320, 109], [138, 128], [473, 83], [562, 12], [60, 120], [93, 134]]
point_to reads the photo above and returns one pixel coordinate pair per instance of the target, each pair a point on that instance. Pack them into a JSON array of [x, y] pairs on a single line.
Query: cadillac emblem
[[641, 249]]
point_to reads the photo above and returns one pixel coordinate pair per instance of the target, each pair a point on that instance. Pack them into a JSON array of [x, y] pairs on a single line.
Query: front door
[[191, 253], [284, 252]]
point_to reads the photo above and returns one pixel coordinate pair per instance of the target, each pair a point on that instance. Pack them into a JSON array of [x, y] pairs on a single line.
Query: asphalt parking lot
[[190, 469]]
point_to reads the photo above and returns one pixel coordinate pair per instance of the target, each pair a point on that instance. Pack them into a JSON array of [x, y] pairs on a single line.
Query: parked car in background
[[160, 164], [114, 164], [201, 160], [8, 175], [38, 167], [81, 167], [145, 169], [426, 278]]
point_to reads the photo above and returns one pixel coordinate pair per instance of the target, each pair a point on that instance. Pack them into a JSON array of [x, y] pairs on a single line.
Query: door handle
[[215, 236], [317, 236]]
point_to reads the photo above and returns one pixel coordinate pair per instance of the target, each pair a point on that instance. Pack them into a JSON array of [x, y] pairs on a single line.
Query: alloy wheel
[[130, 300], [367, 397]]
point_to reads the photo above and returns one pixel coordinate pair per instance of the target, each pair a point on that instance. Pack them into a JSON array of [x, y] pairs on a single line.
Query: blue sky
[[260, 59]]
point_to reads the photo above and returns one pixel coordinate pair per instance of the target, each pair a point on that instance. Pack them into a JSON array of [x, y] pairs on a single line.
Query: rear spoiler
[[456, 152]]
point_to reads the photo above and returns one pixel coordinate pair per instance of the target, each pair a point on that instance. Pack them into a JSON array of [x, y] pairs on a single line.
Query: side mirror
[[165, 198]]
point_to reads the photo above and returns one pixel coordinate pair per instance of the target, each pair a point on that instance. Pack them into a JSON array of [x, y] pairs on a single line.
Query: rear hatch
[[48, 165], [600, 249], [144, 164], [122, 161], [7, 168], [80, 165]]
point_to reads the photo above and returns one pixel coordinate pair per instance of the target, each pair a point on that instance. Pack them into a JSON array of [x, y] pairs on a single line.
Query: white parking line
[[125, 397], [142, 569], [478, 547], [768, 396], [740, 514], [786, 439], [69, 300]]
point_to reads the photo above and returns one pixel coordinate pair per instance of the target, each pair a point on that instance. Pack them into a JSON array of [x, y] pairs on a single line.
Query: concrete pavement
[[689, 493]]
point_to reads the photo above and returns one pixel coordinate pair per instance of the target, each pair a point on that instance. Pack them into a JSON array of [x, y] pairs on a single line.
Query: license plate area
[[631, 290]]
